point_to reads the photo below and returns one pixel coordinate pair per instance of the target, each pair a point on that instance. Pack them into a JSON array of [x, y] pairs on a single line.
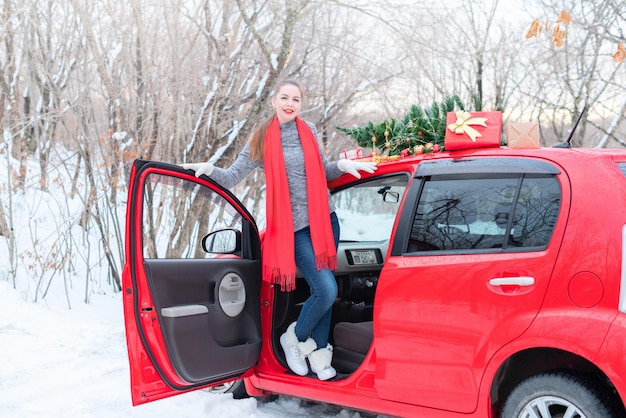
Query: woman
[[299, 234]]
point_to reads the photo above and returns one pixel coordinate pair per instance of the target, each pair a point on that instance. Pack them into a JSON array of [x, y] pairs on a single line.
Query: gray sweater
[[294, 164]]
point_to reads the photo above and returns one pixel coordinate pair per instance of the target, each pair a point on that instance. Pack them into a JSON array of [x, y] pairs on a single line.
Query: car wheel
[[236, 387], [556, 395]]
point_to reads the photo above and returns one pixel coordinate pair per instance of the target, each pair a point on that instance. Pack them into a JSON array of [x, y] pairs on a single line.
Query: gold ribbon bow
[[463, 122]]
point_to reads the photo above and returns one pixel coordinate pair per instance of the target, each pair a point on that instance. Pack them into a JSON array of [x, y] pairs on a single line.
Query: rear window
[[514, 213]]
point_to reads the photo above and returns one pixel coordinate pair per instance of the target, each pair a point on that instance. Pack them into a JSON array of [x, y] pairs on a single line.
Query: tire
[[556, 395], [236, 387]]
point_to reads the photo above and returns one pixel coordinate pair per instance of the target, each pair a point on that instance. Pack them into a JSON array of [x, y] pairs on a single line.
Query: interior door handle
[[232, 294], [512, 281]]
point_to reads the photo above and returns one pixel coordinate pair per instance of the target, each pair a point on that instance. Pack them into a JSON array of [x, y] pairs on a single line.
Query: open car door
[[191, 283]]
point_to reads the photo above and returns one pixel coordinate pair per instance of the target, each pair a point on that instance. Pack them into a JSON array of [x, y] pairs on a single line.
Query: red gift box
[[465, 130]]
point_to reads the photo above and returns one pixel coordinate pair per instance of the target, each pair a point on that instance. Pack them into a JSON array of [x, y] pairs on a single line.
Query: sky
[[63, 358]]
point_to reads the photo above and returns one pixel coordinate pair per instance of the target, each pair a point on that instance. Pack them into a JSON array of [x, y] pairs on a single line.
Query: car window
[[512, 212], [367, 210], [178, 213]]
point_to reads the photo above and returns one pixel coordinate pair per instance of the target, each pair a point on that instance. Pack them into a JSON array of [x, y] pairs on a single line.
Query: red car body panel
[[440, 343]]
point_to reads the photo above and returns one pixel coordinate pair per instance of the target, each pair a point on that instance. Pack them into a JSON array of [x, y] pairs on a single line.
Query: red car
[[482, 283]]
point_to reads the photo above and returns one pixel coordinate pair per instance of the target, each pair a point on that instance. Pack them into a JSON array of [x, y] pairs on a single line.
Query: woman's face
[[287, 102]]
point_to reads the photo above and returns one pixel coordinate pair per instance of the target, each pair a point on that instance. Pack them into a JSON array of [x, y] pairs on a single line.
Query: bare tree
[[9, 123], [86, 87], [466, 49], [14, 45], [6, 216], [342, 67], [586, 76], [50, 30]]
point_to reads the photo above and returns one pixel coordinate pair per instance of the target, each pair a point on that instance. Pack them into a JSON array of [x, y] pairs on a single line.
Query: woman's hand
[[353, 167], [199, 168]]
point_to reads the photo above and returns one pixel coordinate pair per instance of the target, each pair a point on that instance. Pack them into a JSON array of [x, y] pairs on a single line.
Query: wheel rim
[[551, 407], [219, 389]]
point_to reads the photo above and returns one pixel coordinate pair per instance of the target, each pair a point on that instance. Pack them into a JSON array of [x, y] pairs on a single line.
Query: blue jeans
[[314, 319]]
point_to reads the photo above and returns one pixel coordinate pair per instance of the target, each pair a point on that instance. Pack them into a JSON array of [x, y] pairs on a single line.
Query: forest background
[[86, 87]]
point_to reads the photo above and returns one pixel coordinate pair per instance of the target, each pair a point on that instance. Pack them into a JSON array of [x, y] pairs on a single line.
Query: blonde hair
[[257, 140]]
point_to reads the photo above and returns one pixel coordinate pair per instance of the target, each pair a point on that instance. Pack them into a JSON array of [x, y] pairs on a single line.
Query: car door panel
[[466, 278], [203, 341]]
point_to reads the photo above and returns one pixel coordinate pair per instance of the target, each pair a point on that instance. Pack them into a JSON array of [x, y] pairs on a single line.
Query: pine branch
[[419, 130]]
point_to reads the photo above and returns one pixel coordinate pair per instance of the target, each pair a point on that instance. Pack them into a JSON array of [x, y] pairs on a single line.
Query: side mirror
[[223, 241]]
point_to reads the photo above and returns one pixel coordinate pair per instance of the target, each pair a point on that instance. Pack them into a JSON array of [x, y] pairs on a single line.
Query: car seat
[[352, 342]]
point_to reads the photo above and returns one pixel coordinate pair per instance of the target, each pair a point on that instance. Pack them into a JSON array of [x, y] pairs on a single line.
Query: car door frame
[[154, 369]]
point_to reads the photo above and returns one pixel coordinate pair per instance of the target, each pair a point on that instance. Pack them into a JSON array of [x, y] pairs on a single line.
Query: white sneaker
[[296, 351], [320, 360]]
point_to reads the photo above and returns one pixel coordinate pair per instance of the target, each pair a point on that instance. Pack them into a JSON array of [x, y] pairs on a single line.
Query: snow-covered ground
[[56, 362]]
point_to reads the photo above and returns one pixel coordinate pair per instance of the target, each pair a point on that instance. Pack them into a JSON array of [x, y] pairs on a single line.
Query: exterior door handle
[[512, 281]]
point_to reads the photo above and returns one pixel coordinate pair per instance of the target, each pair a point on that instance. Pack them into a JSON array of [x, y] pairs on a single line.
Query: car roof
[[554, 154], [569, 159]]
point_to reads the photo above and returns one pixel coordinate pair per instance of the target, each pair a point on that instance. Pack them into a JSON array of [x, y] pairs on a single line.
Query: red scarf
[[279, 265]]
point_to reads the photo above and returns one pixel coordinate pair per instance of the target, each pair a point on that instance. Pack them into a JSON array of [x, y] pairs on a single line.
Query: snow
[[62, 357], [56, 362]]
